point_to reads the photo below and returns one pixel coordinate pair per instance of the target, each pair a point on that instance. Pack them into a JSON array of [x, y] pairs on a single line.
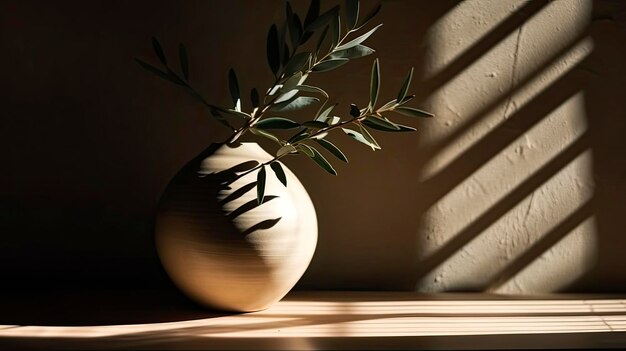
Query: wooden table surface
[[318, 320]]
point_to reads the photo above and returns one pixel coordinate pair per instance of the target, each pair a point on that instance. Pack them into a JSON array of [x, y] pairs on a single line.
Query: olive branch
[[337, 44]]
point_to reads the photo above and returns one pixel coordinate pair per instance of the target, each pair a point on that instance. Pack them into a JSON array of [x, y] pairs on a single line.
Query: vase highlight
[[222, 248]]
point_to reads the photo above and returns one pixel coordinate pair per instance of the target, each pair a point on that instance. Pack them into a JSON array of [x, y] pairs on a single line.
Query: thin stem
[[338, 125]]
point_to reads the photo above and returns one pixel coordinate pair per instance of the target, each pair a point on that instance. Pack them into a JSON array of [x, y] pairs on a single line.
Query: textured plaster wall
[[517, 186], [469, 118], [516, 199], [500, 192]]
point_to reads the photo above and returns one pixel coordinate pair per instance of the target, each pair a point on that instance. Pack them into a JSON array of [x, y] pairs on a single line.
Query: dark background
[[90, 140]]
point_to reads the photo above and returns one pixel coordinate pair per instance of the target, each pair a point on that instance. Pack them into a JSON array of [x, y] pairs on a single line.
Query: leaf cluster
[[339, 39]]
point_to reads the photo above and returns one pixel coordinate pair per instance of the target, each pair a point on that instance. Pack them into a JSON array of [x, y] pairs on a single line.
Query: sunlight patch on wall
[[466, 23], [550, 26], [507, 170], [519, 110], [527, 61], [472, 95], [565, 262], [480, 262]]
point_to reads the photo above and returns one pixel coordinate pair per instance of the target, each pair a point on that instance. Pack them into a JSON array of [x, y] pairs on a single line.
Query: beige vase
[[223, 249]]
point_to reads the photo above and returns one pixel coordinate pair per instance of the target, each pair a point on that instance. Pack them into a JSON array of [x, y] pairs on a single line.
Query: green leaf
[[174, 76], [184, 60], [296, 62], [305, 37], [159, 50], [332, 149], [282, 35], [305, 149], [360, 138], [330, 64], [287, 149], [353, 52], [289, 11], [273, 51], [358, 40], [318, 135], [311, 89], [323, 116], [320, 41], [157, 71], [369, 137], [286, 96], [276, 123], [294, 104], [291, 83], [401, 128], [335, 30], [387, 105], [301, 135], [312, 13], [352, 13], [260, 185], [374, 85], [404, 128], [233, 86], [323, 19], [273, 90], [297, 31], [289, 16], [405, 86], [294, 25], [280, 173], [321, 161], [369, 16], [261, 132], [254, 97], [315, 124], [412, 112], [382, 123], [407, 99]]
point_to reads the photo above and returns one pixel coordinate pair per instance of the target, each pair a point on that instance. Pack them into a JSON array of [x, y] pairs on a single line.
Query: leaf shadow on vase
[[209, 188]]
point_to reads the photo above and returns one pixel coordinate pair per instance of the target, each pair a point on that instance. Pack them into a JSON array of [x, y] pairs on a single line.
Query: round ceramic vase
[[219, 246]]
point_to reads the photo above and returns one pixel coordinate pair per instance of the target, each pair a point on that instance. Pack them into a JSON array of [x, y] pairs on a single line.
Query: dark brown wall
[[89, 139]]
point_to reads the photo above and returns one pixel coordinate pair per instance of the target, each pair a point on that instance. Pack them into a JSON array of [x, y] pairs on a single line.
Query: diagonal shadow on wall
[[481, 46], [487, 147]]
